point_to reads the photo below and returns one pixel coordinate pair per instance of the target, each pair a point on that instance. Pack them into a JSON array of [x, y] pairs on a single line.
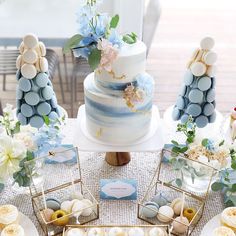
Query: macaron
[[42, 64], [207, 43], [32, 98], [157, 231], [41, 49], [213, 82], [22, 47], [116, 231], [47, 214], [88, 207], [53, 204], [212, 118], [180, 225], [19, 62], [41, 79], [47, 93], [208, 109], [43, 108], [75, 232], [210, 58], [136, 231], [211, 70], [24, 84], [210, 97], [201, 121], [53, 115], [184, 118], [30, 40], [176, 205], [176, 113], [194, 109], [183, 90], [150, 209], [160, 199], [28, 71], [180, 103], [204, 83], [198, 68], [26, 110], [53, 102], [30, 56], [22, 119], [18, 75], [196, 96], [165, 214], [188, 77], [37, 122], [19, 93]]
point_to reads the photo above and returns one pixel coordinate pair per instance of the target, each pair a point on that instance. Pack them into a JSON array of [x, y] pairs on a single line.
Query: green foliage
[[205, 142], [72, 42], [94, 58], [46, 120], [130, 38], [217, 186], [1, 187], [114, 21]]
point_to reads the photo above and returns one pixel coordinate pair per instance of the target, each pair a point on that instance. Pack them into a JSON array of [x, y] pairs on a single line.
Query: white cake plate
[[211, 130], [28, 226], [153, 141], [211, 225]]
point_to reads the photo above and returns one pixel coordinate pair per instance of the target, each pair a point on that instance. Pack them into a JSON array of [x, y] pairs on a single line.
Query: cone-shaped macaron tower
[[35, 97], [197, 94]]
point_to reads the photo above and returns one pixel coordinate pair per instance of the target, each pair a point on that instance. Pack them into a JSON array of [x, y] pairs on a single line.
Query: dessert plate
[[28, 226], [212, 224]]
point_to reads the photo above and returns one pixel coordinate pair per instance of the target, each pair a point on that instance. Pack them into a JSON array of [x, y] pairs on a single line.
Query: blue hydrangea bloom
[[210, 145], [145, 82], [115, 38]]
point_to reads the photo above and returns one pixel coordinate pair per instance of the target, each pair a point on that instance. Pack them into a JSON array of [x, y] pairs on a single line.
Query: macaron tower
[[197, 94], [35, 97]]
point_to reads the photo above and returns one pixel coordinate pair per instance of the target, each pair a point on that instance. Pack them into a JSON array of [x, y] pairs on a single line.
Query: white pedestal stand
[[119, 154]]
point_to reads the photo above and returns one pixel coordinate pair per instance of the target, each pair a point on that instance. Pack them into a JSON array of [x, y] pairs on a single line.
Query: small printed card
[[118, 189]]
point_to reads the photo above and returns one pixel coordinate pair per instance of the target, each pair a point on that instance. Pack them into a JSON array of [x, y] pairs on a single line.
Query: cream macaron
[[96, 232], [30, 40], [116, 231], [19, 62], [207, 43], [176, 205], [228, 218], [41, 49], [211, 70], [165, 214], [180, 224], [223, 231], [13, 230], [157, 231], [9, 214], [30, 56], [198, 68], [136, 232], [75, 232], [28, 71], [42, 64], [22, 47]]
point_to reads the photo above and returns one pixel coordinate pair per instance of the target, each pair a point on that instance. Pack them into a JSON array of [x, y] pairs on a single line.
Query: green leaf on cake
[[72, 42], [94, 58], [130, 38], [205, 142], [46, 120], [114, 21]]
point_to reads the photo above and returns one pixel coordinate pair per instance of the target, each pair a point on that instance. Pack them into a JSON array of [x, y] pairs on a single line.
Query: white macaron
[[30, 40], [28, 71], [207, 43], [210, 58], [211, 71], [19, 62], [42, 64], [22, 47], [30, 56], [41, 49], [198, 68]]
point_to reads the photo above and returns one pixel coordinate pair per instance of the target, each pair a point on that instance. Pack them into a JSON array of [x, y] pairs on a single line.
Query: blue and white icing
[[196, 98], [108, 118]]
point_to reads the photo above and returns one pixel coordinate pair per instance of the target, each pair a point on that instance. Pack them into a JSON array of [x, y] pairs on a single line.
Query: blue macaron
[[208, 109], [188, 77], [22, 119], [150, 210], [35, 88], [184, 118], [210, 97], [19, 93], [32, 98], [194, 109], [26, 110], [180, 103], [212, 118], [53, 204], [183, 90], [196, 96], [201, 121], [24, 84], [41, 79], [43, 108], [204, 83], [176, 113], [53, 102], [53, 115], [160, 200], [213, 82], [194, 84], [47, 93], [36, 121]]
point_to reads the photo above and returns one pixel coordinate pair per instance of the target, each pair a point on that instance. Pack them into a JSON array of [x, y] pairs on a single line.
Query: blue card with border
[[118, 189]]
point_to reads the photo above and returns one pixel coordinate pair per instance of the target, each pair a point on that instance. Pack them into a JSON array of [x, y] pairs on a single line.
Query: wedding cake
[[118, 102]]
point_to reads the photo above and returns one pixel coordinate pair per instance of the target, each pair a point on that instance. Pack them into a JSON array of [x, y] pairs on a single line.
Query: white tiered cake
[[119, 103]]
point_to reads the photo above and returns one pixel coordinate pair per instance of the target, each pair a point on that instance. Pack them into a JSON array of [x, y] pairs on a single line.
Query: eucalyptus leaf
[[72, 42], [233, 165], [94, 58], [221, 143], [205, 142], [175, 143], [1, 187], [233, 199], [178, 182], [114, 21], [233, 188], [217, 186]]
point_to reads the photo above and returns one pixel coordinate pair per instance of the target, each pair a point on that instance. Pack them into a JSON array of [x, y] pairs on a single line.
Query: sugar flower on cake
[[12, 151], [133, 95], [108, 54], [94, 27]]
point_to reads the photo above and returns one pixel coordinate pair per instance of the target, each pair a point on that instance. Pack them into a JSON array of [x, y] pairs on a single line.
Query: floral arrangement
[[97, 40], [133, 95], [19, 144]]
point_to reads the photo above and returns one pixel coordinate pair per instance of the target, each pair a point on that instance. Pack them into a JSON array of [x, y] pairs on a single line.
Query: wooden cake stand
[[119, 155]]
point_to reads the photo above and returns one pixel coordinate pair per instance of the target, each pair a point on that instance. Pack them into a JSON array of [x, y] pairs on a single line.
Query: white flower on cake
[[12, 151], [133, 95], [108, 54], [9, 111]]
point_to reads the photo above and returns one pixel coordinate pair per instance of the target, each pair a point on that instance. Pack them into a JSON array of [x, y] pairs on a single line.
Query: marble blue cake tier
[[35, 99], [196, 98]]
